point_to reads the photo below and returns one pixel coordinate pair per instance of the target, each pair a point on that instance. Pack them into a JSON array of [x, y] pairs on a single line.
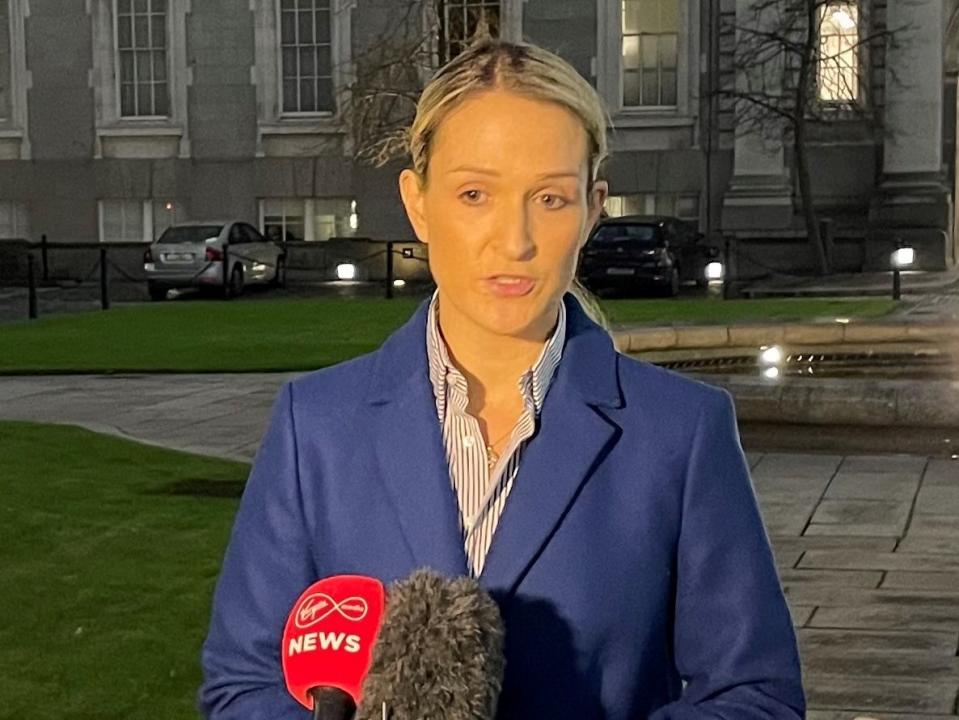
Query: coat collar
[[572, 432]]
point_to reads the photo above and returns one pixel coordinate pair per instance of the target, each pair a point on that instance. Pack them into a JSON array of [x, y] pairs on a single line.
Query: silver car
[[190, 255]]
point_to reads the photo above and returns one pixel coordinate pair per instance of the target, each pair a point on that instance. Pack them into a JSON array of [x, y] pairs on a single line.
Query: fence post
[[31, 288], [104, 286], [43, 256], [226, 270], [727, 266], [389, 269]]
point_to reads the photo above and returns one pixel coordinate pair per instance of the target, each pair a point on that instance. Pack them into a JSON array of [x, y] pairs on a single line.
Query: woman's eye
[[471, 195]]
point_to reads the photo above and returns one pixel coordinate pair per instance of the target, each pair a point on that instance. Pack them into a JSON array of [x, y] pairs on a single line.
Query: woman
[[603, 502]]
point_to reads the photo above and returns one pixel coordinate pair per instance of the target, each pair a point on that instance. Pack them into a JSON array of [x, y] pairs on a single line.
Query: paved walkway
[[867, 546]]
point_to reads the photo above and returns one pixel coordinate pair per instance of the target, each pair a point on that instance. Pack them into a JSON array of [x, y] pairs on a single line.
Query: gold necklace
[[491, 455]]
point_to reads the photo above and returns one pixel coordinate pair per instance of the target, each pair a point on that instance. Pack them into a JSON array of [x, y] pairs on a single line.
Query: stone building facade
[[119, 117]]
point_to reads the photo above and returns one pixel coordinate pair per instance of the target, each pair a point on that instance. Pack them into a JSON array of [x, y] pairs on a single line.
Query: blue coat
[[630, 559]]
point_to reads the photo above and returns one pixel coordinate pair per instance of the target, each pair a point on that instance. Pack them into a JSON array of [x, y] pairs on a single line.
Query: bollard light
[[345, 271], [399, 283], [903, 257], [715, 271]]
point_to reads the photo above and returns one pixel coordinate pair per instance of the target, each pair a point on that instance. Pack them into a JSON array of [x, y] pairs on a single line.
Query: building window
[[121, 220], [838, 52], [284, 219], [14, 221], [684, 206], [459, 20], [650, 52], [306, 56], [6, 71], [142, 58]]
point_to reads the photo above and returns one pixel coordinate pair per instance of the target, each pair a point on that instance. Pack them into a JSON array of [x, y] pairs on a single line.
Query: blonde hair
[[525, 69]]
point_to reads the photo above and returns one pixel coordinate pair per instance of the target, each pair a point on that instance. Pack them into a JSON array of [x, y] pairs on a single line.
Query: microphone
[[328, 643], [439, 653]]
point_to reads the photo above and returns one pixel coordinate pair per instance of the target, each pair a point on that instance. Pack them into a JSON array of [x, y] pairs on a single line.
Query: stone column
[[912, 194], [760, 194]]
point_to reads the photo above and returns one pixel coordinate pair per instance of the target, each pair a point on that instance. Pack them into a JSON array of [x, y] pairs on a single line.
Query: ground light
[[346, 271], [902, 258], [770, 361], [715, 271]]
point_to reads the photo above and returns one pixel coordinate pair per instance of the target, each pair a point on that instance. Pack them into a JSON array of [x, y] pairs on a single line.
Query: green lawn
[[268, 335], [110, 550]]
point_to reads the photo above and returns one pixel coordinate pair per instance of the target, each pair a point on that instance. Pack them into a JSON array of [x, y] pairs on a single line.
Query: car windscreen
[[640, 234], [190, 234]]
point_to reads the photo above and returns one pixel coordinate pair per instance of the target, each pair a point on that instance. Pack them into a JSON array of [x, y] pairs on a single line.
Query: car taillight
[[213, 254], [147, 256]]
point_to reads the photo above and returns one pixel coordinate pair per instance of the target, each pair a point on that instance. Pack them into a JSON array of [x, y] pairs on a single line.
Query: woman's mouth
[[510, 285]]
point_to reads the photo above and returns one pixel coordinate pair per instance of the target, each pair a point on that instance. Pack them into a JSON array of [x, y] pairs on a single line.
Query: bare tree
[[379, 102], [795, 66]]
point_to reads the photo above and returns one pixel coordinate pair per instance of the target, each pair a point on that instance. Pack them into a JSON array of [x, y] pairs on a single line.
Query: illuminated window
[[141, 45], [682, 206], [307, 218], [650, 52], [459, 20], [306, 56], [839, 52]]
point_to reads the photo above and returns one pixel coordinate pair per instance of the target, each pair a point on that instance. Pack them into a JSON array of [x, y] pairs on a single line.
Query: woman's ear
[[413, 200], [597, 199]]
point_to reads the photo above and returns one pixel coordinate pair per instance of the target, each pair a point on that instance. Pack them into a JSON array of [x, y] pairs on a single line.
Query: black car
[[644, 251]]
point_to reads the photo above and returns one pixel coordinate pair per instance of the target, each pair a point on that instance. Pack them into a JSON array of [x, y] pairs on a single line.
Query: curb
[[830, 401], [642, 339]]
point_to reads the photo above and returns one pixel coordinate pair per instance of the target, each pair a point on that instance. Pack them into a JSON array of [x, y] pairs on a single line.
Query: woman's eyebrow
[[486, 171]]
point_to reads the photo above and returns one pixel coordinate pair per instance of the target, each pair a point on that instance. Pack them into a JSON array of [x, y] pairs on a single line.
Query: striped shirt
[[481, 491]]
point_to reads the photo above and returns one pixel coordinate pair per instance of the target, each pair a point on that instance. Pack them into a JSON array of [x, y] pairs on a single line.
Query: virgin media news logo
[[317, 607]]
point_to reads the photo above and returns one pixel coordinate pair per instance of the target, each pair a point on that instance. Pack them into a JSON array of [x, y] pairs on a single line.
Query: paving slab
[[902, 579], [865, 560], [885, 641], [843, 693]]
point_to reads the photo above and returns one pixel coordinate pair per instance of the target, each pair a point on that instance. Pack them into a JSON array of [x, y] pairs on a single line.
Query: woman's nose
[[515, 235]]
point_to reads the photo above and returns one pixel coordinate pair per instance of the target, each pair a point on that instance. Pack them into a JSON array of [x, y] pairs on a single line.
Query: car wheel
[[157, 292], [279, 277], [235, 287]]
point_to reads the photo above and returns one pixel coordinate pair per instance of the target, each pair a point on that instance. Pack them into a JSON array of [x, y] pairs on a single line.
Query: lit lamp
[[345, 271], [770, 362], [903, 257]]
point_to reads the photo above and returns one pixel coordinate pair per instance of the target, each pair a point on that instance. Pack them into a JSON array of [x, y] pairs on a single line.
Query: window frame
[[334, 47], [609, 74], [307, 213], [117, 63], [105, 80], [267, 73], [14, 128], [841, 104], [18, 209]]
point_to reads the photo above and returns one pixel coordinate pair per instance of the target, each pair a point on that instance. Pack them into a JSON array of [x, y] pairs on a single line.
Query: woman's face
[[506, 197]]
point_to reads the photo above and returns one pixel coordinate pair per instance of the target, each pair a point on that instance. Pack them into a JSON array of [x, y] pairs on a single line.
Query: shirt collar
[[532, 384]]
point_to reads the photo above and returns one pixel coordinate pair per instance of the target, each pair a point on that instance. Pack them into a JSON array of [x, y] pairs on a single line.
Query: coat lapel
[[408, 443], [572, 436]]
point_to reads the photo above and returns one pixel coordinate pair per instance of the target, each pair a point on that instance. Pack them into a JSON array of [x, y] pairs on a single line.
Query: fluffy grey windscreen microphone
[[439, 653]]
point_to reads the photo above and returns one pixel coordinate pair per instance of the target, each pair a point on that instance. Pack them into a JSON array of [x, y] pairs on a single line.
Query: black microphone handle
[[330, 703]]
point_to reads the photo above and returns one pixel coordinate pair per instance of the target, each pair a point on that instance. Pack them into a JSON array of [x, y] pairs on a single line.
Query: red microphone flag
[[329, 636]]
